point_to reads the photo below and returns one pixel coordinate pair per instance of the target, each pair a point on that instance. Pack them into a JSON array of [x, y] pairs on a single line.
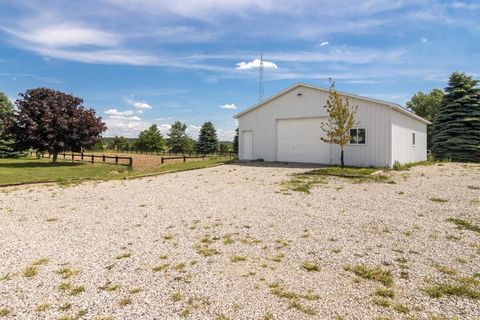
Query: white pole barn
[[286, 128]]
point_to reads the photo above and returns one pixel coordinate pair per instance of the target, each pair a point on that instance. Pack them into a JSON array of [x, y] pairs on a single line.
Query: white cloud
[[323, 44], [138, 104], [424, 40], [122, 115], [229, 106], [255, 64], [163, 119]]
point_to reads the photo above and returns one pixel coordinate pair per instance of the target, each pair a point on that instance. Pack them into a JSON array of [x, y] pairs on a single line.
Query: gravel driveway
[[226, 243]]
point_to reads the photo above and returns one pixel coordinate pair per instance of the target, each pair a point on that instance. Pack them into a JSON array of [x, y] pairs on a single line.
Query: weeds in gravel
[[167, 237], [160, 267], [43, 307], [295, 304], [277, 258], [176, 296], [52, 219], [71, 288], [64, 307], [445, 269], [5, 312], [205, 251], [464, 225], [30, 271], [310, 266], [381, 302], [401, 308], [123, 255], [67, 273], [452, 289], [227, 240], [375, 273], [40, 262], [385, 293], [135, 290], [237, 258], [109, 286], [103, 318], [439, 200], [268, 316], [194, 303], [474, 187], [179, 266], [124, 302]]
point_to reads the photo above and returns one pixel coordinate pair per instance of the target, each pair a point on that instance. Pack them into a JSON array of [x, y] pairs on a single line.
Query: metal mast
[[260, 80]]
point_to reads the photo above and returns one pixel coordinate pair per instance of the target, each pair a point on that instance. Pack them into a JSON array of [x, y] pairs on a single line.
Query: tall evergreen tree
[[426, 106], [207, 140], [235, 142], [7, 141], [456, 131]]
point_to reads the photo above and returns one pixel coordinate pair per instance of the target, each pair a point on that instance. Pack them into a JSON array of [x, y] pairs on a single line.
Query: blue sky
[[139, 62]]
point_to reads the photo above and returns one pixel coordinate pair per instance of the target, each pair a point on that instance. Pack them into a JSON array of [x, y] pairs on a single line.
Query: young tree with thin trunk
[[53, 121], [341, 119]]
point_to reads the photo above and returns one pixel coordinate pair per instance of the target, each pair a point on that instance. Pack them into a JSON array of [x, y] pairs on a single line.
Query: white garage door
[[298, 140]]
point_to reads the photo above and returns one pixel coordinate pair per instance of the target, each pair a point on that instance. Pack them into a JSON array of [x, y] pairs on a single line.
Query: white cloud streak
[[138, 104], [254, 64], [229, 106]]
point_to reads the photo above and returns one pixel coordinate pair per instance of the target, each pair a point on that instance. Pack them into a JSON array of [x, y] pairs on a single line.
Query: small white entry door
[[247, 145]]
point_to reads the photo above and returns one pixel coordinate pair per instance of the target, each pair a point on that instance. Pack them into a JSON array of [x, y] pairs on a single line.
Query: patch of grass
[[66, 272], [109, 286], [71, 288], [227, 240], [445, 269], [176, 296], [168, 237], [381, 302], [179, 266], [5, 312], [52, 219], [385, 293], [268, 316], [205, 251], [295, 304], [279, 291], [278, 257], [397, 166], [375, 273], [439, 200], [43, 307], [123, 255], [237, 258], [474, 187], [310, 266], [124, 302], [160, 267], [135, 290], [401, 308], [451, 289], [30, 271], [464, 225]]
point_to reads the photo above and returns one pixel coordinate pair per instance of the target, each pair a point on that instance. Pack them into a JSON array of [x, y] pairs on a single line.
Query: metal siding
[[402, 149], [373, 116]]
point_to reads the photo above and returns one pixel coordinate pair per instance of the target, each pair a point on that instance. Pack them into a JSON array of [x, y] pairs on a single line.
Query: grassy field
[[28, 170]]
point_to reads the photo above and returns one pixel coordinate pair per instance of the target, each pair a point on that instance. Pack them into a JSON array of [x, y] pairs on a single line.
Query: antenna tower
[[260, 79]]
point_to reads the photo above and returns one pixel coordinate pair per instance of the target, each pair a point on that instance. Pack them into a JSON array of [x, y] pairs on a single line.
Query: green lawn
[[28, 170]]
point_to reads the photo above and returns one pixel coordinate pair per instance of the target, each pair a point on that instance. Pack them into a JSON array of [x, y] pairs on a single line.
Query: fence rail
[[87, 157], [170, 153], [184, 158]]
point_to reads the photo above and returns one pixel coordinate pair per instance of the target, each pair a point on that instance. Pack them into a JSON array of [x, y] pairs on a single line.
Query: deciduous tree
[[207, 140], [53, 121], [150, 139], [426, 106], [7, 141], [456, 130], [178, 140], [341, 119]]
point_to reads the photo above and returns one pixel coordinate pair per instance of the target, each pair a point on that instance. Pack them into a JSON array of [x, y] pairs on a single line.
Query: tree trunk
[[55, 156], [341, 158]]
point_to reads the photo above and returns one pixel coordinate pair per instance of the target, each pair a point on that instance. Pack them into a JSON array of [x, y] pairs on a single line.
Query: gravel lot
[[226, 243]]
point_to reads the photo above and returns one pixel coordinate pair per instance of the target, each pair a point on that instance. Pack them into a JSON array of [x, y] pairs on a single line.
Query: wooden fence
[[87, 157], [170, 153], [184, 158]]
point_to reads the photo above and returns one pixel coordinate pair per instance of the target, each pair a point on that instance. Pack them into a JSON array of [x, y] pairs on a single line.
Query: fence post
[[161, 160], [130, 163], [184, 159], [103, 158], [81, 156], [73, 157], [116, 159], [93, 159]]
